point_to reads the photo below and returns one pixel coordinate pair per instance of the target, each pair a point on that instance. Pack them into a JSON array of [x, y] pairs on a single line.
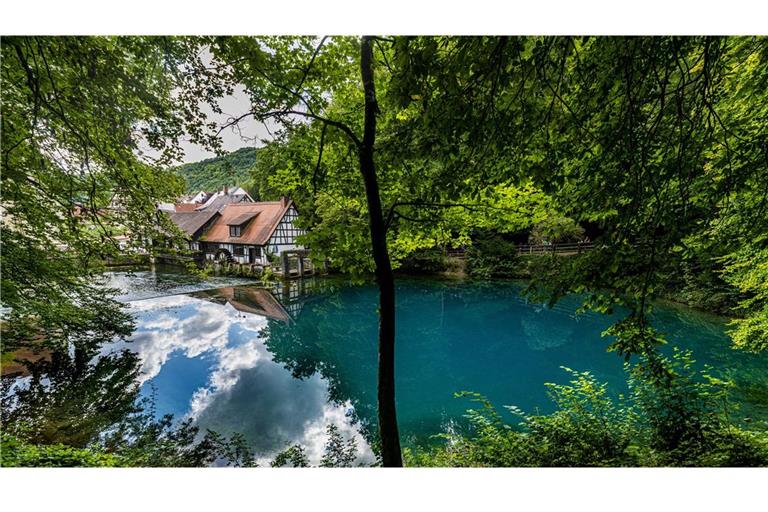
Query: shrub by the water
[[424, 262], [493, 256], [17, 453], [686, 421]]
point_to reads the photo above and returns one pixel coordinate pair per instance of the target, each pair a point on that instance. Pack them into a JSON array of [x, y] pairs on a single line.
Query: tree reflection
[[343, 353], [89, 398], [72, 397], [81, 399]]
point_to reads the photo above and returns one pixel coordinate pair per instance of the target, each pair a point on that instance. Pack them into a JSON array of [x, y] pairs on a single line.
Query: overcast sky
[[250, 132]]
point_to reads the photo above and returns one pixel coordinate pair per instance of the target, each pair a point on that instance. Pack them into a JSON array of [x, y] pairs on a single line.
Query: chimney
[[284, 201], [226, 190]]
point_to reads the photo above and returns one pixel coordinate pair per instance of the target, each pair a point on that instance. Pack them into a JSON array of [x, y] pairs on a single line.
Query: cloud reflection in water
[[240, 388]]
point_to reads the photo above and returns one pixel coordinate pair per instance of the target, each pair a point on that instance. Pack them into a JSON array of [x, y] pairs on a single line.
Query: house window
[[239, 250], [235, 230], [254, 254]]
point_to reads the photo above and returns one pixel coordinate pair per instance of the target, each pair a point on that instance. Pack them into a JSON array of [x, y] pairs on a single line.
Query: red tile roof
[[266, 217], [186, 207]]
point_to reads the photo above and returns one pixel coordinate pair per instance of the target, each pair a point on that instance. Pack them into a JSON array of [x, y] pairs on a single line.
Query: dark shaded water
[[279, 366]]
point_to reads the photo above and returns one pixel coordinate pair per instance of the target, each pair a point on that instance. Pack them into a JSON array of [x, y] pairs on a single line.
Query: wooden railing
[[566, 248], [456, 253]]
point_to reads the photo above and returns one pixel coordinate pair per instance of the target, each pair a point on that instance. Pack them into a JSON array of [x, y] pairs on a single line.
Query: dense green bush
[[492, 255], [17, 453], [685, 421], [424, 262], [556, 229]]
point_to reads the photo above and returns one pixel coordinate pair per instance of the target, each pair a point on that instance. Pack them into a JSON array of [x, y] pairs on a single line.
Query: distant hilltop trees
[[214, 173]]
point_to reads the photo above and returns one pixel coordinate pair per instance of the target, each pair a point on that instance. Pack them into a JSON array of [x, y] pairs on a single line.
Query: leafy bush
[[556, 229], [687, 421], [748, 271], [683, 422], [492, 255], [425, 261], [17, 453]]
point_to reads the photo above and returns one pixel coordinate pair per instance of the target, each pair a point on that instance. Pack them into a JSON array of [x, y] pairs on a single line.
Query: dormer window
[[239, 223]]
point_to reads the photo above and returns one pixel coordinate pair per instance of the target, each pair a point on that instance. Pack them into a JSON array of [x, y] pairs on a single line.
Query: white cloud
[[245, 390], [180, 323], [230, 362]]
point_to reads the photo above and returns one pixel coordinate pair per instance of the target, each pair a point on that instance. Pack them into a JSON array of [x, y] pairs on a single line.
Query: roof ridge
[[252, 204]]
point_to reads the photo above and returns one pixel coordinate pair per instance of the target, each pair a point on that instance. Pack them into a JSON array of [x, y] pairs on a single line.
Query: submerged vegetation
[[397, 149]]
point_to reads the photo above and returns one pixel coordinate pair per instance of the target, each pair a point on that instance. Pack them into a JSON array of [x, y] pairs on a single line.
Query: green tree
[[341, 123], [622, 133], [289, 78], [89, 126], [653, 142], [212, 174]]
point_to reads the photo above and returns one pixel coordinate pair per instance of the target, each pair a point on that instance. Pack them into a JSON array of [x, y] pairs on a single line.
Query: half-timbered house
[[243, 232]]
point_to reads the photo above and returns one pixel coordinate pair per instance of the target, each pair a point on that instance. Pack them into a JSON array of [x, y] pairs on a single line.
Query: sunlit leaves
[[89, 124]]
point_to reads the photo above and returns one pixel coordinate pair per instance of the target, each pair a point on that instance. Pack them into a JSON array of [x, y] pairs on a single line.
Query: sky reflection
[[236, 362], [208, 361]]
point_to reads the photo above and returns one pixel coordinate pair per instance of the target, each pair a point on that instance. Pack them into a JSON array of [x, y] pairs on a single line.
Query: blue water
[[279, 366]]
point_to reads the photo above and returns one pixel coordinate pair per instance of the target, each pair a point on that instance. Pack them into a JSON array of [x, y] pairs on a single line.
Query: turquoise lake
[[279, 365]]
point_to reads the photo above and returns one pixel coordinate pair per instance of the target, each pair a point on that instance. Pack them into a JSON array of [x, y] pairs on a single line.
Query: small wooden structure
[[247, 299], [303, 263]]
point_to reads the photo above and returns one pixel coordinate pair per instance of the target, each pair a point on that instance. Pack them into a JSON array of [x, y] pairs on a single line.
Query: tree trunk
[[390, 439]]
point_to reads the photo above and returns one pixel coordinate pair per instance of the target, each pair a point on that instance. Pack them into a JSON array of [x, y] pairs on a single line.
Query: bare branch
[[330, 122]]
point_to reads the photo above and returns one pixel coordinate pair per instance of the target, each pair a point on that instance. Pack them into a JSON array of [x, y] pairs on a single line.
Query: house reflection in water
[[247, 299], [283, 301]]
